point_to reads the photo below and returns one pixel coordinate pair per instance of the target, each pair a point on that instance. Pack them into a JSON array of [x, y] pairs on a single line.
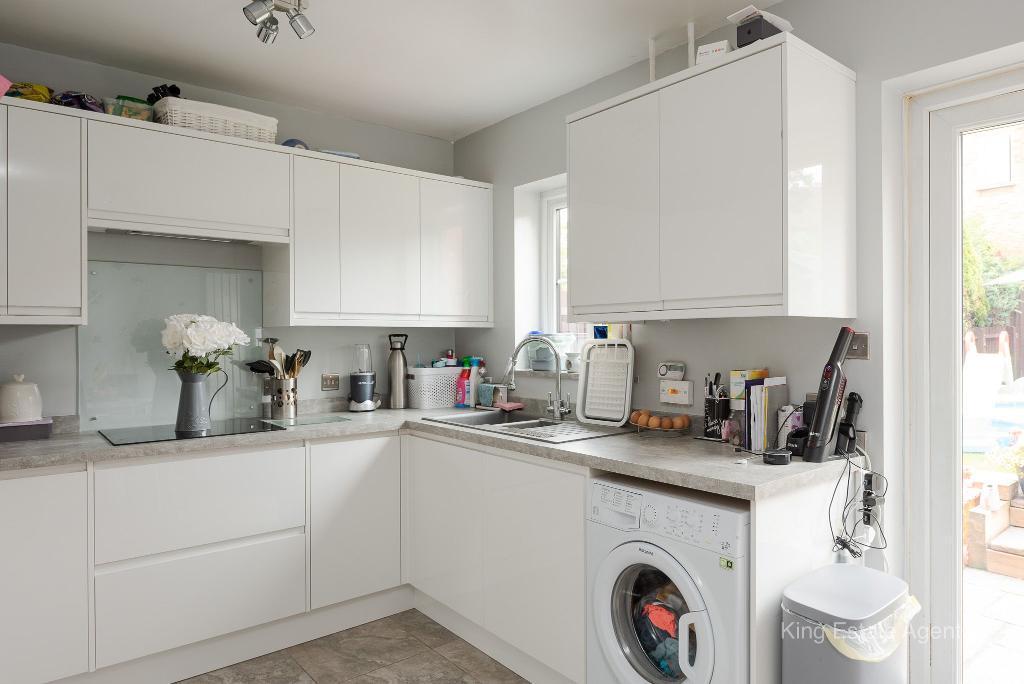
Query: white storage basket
[[431, 388], [212, 118]]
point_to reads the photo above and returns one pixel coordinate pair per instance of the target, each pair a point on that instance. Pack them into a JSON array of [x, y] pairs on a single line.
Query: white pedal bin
[[846, 624]]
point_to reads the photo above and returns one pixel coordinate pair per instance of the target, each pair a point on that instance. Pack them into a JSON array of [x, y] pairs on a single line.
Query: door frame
[[936, 658]]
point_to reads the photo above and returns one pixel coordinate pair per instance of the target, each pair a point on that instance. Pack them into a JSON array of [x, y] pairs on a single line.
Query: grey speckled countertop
[[671, 459]]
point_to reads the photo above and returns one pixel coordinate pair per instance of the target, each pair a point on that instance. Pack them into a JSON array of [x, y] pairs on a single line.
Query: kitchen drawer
[[157, 507], [145, 607]]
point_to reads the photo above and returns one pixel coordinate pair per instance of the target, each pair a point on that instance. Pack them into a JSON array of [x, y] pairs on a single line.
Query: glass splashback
[[123, 376]]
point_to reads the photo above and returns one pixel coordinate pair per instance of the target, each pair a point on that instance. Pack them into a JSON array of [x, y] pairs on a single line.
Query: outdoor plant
[[200, 341], [1012, 459]]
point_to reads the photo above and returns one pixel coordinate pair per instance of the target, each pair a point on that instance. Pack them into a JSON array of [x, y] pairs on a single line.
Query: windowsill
[[526, 373]]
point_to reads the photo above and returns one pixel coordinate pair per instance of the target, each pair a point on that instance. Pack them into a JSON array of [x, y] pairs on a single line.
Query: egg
[[684, 421], [642, 420], [645, 412], [654, 422], [679, 423], [634, 416]]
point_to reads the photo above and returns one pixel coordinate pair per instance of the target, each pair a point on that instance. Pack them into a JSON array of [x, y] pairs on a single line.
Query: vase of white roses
[[200, 342]]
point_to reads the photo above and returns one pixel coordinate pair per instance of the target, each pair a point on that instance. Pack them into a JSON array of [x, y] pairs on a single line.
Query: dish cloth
[[485, 394], [510, 406]]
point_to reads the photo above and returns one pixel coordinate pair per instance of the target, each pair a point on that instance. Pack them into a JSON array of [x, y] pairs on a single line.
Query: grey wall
[[321, 130], [879, 40]]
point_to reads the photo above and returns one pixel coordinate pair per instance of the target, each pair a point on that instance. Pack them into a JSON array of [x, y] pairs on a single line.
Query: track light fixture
[[267, 31], [260, 14]]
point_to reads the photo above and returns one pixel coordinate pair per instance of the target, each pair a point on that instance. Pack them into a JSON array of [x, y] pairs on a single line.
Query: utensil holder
[[284, 398], [716, 412]]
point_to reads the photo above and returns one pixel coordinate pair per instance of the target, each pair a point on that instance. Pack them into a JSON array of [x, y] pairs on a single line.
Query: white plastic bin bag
[[846, 624]]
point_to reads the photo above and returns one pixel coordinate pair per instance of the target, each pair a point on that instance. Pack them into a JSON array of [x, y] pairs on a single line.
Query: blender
[[362, 382]]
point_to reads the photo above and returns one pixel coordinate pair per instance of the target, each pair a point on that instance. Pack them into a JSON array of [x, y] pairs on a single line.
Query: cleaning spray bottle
[[462, 387]]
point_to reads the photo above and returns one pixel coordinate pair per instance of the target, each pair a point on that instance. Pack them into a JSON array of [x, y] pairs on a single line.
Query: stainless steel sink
[[540, 429], [479, 418]]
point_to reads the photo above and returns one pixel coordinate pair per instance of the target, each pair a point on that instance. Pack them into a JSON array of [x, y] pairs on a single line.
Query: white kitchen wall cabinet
[[753, 192], [445, 525], [174, 181], [44, 250], [710, 132], [377, 246], [316, 244], [456, 261], [44, 599], [355, 519], [614, 247], [499, 540], [380, 244], [346, 242]]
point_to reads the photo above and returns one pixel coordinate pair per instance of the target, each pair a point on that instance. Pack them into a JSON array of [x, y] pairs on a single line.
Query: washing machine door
[[652, 624]]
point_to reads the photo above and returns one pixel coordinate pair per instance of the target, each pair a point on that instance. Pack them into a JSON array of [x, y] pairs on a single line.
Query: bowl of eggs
[[643, 419]]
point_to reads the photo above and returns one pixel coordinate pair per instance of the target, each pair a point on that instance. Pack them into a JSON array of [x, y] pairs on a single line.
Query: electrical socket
[[859, 347], [330, 382]]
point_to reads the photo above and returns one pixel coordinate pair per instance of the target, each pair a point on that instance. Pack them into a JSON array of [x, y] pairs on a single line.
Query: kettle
[[398, 368]]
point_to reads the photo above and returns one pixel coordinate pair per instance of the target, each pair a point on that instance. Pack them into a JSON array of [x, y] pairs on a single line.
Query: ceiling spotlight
[[267, 30], [258, 11], [300, 24]]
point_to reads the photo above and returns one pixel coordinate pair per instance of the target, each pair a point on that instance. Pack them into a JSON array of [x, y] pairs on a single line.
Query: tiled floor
[[402, 649], [993, 627]]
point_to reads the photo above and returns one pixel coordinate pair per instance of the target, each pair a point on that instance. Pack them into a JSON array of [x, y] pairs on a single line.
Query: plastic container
[[212, 118], [431, 388], [846, 624], [128, 107], [464, 386]]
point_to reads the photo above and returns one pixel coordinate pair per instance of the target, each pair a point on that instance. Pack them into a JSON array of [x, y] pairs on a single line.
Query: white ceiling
[[441, 67]]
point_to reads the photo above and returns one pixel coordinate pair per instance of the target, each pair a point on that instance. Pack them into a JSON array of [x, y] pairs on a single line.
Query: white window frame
[[550, 202]]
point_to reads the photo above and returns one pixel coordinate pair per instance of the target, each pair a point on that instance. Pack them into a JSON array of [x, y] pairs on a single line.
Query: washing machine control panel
[[718, 527], [696, 523]]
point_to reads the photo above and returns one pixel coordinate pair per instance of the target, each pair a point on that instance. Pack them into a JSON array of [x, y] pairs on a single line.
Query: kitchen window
[[554, 268]]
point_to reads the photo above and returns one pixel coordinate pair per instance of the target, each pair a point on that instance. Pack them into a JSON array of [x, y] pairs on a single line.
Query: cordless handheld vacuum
[[831, 390]]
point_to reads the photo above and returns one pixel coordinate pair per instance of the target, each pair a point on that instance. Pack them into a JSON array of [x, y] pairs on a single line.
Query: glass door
[[975, 332]]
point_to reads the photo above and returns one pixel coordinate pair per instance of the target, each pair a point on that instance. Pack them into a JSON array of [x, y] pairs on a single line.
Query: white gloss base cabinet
[[189, 549], [44, 599], [355, 519], [498, 540], [166, 602], [751, 185], [41, 188], [143, 510]]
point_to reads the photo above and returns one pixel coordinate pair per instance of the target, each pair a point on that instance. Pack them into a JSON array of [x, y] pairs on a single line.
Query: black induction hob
[[166, 433]]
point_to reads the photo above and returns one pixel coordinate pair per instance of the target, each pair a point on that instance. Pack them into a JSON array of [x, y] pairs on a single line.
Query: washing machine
[[668, 585]]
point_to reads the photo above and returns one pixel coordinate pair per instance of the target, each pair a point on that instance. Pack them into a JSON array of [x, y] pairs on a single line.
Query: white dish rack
[[606, 382], [213, 118], [432, 388]]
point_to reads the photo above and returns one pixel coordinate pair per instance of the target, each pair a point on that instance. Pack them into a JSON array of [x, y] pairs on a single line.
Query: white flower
[[199, 335]]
